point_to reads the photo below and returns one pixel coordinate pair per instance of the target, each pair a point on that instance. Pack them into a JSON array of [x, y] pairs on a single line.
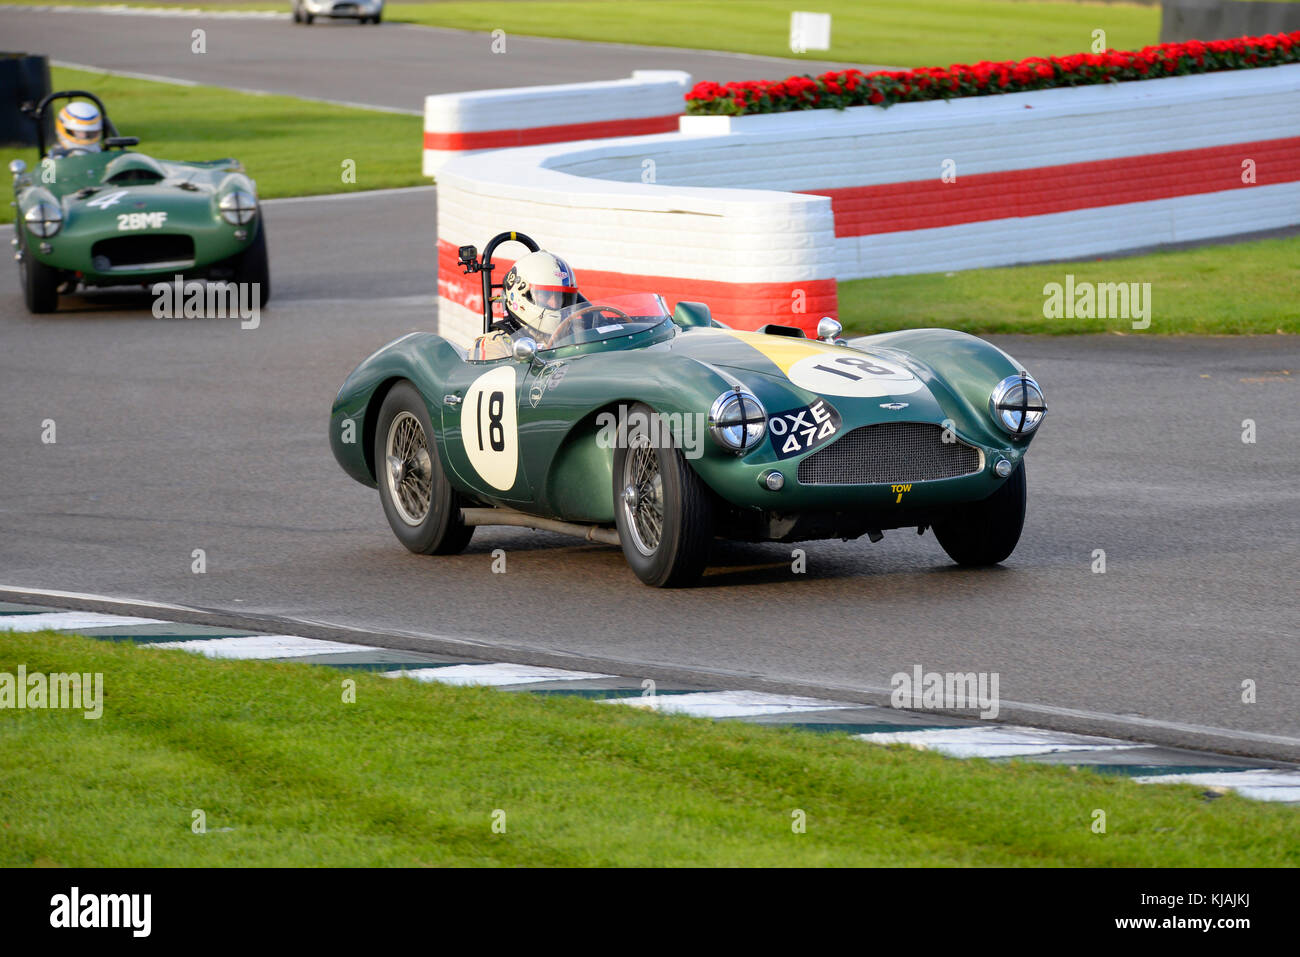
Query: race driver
[[535, 291], [79, 128]]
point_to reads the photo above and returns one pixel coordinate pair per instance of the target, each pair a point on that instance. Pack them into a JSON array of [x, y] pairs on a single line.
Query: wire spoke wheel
[[409, 470], [663, 510], [643, 497]]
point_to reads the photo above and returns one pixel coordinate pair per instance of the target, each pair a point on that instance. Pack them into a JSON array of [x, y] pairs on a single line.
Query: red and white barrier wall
[[759, 215], [650, 101]]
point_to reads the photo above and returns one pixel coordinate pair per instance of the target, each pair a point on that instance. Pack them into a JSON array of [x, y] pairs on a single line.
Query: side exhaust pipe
[[508, 516]]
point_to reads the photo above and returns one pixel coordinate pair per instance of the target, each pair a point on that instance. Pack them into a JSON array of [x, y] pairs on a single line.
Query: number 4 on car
[[620, 421], [95, 213]]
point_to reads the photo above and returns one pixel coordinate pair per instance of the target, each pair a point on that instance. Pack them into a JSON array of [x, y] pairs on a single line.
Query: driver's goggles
[[552, 297]]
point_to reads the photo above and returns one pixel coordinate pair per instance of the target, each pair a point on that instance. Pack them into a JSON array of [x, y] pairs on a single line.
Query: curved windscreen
[[609, 317]]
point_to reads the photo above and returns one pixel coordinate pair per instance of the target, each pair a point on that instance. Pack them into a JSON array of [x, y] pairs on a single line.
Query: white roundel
[[489, 428], [852, 374]]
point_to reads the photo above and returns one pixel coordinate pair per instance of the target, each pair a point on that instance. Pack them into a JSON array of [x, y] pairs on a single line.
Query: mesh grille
[[891, 452], [124, 252]]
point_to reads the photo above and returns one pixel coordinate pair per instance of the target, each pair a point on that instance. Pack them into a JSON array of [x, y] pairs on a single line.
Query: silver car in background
[[366, 11]]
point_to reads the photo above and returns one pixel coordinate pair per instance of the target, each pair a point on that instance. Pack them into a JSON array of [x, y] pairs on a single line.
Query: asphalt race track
[[393, 65], [174, 435]]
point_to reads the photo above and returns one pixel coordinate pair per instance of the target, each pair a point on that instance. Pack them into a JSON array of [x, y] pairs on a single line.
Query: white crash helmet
[[536, 288], [79, 126]]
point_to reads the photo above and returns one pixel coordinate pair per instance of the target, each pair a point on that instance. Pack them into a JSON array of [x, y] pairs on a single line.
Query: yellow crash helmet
[[79, 126]]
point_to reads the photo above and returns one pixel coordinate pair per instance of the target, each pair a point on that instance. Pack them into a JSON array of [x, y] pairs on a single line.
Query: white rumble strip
[[262, 647], [996, 741], [494, 675], [1272, 784], [730, 704], [71, 621], [980, 741]]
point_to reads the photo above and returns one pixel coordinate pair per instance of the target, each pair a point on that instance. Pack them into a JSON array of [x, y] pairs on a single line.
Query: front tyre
[[985, 533], [254, 265], [40, 285], [663, 511], [422, 508]]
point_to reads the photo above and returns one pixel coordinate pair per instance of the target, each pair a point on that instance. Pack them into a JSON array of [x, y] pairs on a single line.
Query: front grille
[[142, 252], [889, 453]]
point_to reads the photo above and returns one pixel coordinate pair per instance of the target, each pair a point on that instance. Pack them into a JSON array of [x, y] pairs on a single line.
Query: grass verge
[[291, 147], [893, 32], [1213, 290], [411, 774]]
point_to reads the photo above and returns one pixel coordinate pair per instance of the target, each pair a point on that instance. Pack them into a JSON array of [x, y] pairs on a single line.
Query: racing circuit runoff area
[[176, 435]]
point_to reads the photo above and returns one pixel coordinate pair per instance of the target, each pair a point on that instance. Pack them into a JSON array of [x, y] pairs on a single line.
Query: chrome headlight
[[1017, 405], [238, 207], [737, 421], [44, 220]]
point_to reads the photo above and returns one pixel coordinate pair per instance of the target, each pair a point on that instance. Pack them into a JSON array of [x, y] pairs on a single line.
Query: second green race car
[[96, 213]]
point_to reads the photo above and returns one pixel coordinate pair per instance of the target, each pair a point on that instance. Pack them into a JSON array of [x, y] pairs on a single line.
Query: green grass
[[291, 147], [893, 32], [1213, 290], [410, 774]]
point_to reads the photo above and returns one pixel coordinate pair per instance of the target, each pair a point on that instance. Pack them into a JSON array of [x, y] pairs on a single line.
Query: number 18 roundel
[[489, 429], [862, 376]]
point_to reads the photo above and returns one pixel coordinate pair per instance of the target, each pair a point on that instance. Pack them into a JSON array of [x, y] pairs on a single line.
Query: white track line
[[86, 596], [121, 10], [996, 741], [70, 621], [729, 704], [494, 675], [178, 81], [262, 647]]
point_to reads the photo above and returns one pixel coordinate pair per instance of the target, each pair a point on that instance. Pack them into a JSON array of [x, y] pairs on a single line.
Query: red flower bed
[[840, 89]]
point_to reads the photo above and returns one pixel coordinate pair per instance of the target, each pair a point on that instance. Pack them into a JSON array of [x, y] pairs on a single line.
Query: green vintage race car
[[120, 218], [658, 431]]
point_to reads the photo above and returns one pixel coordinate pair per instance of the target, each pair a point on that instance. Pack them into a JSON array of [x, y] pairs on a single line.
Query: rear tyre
[[308, 18], [40, 285], [254, 265], [422, 508], [663, 511], [297, 13], [985, 533]]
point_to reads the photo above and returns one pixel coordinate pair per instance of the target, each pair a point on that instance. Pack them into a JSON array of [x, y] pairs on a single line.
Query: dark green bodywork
[[93, 190], [682, 367]]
